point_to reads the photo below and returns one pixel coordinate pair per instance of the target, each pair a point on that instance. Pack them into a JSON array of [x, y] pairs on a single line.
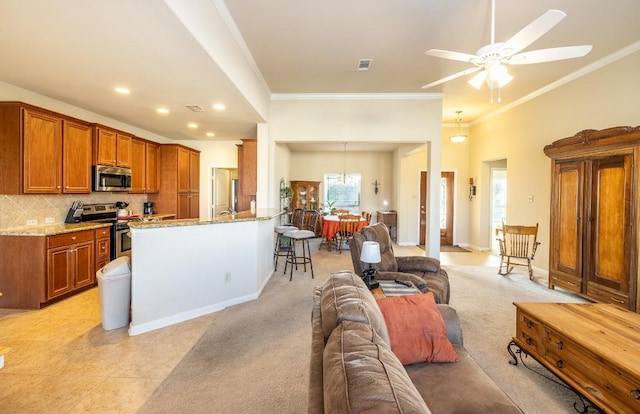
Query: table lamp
[[370, 254]]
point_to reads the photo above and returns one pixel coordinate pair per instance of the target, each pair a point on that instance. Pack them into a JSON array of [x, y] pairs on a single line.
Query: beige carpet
[[255, 357]]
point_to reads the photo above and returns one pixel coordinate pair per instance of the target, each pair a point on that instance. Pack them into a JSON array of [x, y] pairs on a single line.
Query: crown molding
[[355, 96]]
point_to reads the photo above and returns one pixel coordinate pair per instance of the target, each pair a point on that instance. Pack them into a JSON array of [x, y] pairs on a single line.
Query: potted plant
[[330, 208], [286, 192]]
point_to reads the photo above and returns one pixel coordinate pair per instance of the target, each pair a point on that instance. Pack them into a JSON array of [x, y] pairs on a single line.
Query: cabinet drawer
[[103, 248], [69, 238], [599, 381], [103, 233], [527, 332], [600, 294], [574, 285]]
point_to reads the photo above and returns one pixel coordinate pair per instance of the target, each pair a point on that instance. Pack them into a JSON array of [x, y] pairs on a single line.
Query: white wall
[[311, 166]]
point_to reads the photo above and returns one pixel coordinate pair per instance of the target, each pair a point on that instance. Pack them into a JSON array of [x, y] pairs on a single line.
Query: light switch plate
[[49, 220], [32, 222]]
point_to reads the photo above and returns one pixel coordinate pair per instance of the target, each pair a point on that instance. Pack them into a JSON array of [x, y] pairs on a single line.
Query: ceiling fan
[[492, 58]]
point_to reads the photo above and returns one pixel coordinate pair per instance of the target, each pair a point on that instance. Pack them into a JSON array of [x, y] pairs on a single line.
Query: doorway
[[498, 200], [224, 190], [447, 179]]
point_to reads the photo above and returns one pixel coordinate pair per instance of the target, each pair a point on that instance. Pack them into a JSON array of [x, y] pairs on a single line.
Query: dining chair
[[340, 212], [348, 226], [305, 233], [367, 216]]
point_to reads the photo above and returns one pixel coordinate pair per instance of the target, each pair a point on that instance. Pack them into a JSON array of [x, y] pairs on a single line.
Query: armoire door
[[567, 211], [609, 223]]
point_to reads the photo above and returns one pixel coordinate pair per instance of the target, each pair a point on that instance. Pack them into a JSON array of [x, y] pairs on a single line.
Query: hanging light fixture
[[344, 164], [458, 137]]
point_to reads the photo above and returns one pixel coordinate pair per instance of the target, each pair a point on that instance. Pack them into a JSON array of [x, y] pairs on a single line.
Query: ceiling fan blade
[[446, 54], [533, 31], [549, 55], [451, 77]]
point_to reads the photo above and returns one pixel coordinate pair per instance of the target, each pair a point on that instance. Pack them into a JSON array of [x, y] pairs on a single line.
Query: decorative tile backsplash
[[22, 210]]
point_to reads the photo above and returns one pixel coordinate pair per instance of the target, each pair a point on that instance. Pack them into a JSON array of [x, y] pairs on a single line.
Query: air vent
[[364, 64], [195, 108]]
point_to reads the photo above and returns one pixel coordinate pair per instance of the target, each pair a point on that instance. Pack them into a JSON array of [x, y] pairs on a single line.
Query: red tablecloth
[[331, 225]]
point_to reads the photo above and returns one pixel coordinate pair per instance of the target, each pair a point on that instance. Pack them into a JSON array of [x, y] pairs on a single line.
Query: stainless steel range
[[120, 235]]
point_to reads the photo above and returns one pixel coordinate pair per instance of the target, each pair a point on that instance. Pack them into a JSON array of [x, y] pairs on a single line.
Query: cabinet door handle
[[572, 283], [528, 341], [560, 345], [616, 300], [635, 394], [529, 324], [73, 238], [560, 364]]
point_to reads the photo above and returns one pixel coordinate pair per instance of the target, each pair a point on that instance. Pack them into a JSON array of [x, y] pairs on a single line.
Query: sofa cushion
[[361, 374], [416, 329], [345, 297], [462, 387]]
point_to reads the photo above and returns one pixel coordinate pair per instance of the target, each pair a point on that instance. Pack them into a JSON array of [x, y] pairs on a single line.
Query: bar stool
[[309, 221], [283, 244]]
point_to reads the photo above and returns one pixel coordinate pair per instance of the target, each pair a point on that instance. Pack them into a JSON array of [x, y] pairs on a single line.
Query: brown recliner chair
[[424, 272]]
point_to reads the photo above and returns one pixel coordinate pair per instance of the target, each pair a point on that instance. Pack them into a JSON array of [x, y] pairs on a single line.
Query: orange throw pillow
[[416, 329]]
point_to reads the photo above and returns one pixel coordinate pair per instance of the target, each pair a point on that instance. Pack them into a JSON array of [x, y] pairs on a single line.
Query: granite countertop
[[52, 229], [243, 216]]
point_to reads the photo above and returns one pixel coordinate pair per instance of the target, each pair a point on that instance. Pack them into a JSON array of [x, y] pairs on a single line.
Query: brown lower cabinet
[[39, 270]]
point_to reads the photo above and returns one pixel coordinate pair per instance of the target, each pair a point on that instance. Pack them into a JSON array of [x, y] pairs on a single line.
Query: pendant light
[[344, 164], [459, 136]]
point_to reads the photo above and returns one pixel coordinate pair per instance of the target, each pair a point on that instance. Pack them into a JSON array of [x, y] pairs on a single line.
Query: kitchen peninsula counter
[[186, 268], [52, 229], [243, 216]]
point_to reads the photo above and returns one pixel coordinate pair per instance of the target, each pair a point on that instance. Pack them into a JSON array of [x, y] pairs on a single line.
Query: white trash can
[[114, 285]]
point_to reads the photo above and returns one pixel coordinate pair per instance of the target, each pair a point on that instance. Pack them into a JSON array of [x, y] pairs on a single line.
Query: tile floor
[[62, 361]]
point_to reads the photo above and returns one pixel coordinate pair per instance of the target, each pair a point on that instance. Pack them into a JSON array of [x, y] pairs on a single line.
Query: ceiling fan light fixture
[[498, 77], [478, 80]]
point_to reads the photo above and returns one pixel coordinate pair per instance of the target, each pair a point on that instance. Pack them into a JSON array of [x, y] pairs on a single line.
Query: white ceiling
[[77, 51]]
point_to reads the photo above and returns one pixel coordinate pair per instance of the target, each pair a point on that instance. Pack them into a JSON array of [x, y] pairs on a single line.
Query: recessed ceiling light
[[123, 91], [162, 111], [192, 125], [211, 134], [219, 107]]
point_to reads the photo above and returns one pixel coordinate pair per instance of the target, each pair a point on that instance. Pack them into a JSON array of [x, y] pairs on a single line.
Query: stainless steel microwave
[[106, 178]]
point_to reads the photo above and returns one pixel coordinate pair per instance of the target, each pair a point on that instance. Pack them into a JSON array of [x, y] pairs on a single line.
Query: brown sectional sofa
[[353, 369]]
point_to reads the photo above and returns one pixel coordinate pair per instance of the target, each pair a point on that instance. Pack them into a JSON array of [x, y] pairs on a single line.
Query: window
[[342, 193]]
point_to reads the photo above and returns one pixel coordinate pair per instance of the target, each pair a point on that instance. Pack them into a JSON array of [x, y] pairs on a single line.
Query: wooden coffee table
[[594, 348]]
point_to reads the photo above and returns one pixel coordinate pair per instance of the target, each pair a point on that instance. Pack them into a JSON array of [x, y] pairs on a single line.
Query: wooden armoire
[[594, 214]]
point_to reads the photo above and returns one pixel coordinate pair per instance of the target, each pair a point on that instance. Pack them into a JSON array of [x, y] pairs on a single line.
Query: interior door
[[446, 208], [423, 207]]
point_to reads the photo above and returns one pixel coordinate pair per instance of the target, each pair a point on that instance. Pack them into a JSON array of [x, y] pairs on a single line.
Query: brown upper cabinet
[[247, 172], [145, 166], [111, 147], [179, 182], [43, 152]]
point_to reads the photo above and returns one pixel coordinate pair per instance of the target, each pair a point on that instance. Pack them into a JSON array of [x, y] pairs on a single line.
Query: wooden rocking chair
[[519, 243]]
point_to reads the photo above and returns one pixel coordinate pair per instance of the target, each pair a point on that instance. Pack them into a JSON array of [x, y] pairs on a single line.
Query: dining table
[[331, 226]]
